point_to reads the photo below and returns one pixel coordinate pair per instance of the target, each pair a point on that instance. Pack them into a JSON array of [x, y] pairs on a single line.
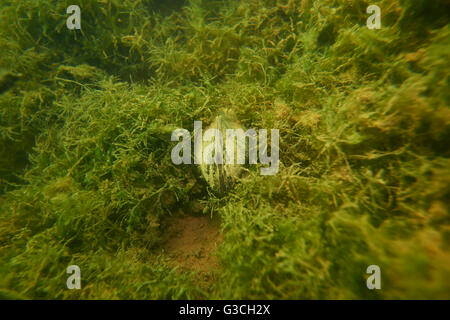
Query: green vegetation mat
[[86, 176]]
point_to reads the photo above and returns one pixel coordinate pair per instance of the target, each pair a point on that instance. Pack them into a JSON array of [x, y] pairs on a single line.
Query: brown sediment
[[191, 244]]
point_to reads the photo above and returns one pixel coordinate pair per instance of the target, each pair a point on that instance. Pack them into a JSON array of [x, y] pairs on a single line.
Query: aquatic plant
[[364, 122]]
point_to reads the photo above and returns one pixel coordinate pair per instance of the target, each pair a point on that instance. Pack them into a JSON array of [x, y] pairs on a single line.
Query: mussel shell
[[222, 177]]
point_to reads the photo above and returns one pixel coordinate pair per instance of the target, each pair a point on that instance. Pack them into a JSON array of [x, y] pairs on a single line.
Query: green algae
[[364, 122]]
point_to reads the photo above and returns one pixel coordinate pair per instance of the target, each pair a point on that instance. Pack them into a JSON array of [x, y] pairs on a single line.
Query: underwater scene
[[205, 149]]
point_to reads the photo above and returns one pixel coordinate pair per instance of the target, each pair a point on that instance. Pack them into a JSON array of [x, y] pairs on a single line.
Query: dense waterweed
[[85, 168]]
